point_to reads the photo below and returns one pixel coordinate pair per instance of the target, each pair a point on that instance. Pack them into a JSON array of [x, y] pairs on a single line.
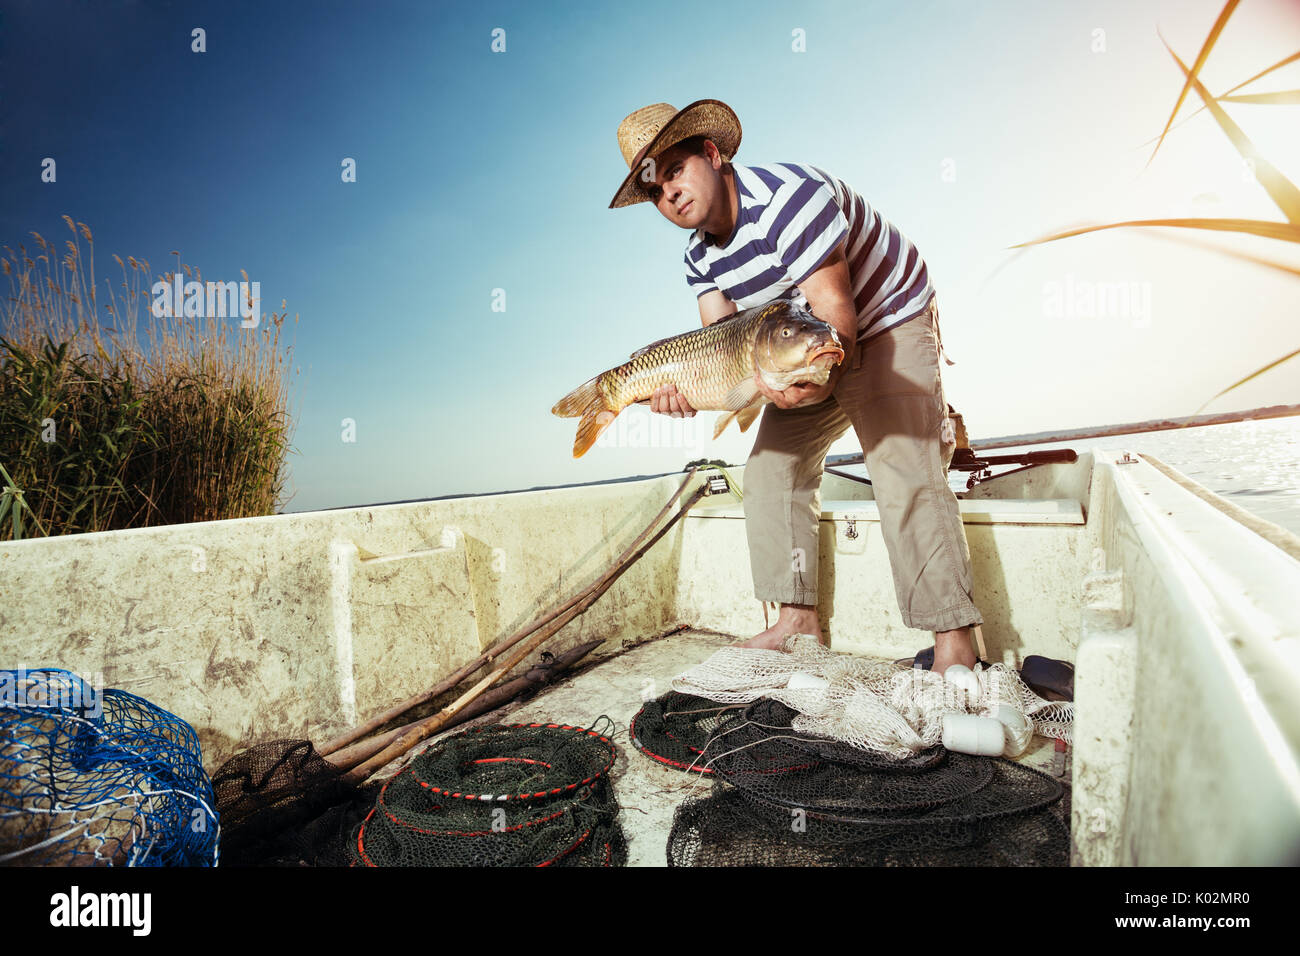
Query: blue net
[[98, 778]]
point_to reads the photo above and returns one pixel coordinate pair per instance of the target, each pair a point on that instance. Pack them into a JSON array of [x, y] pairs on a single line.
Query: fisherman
[[792, 231]]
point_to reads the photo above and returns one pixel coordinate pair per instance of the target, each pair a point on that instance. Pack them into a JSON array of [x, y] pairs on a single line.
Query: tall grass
[[100, 429], [1284, 193]]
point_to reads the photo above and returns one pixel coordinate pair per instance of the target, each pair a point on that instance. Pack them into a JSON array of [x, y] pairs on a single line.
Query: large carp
[[713, 369]]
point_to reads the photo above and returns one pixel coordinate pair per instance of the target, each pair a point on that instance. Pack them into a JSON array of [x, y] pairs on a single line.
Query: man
[[793, 231]]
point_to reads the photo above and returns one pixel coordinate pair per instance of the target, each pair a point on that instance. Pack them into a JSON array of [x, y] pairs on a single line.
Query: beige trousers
[[893, 397]]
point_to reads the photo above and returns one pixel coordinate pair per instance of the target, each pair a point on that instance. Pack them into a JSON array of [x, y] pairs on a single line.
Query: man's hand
[[830, 299], [668, 401], [799, 395], [794, 395]]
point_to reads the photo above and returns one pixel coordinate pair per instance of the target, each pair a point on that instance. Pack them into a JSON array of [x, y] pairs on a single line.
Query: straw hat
[[653, 129]]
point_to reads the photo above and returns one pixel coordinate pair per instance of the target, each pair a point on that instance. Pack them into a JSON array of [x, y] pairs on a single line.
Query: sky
[[483, 178]]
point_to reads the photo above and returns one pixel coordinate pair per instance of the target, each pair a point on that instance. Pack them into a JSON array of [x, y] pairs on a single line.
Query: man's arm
[[830, 298], [666, 399], [714, 305]]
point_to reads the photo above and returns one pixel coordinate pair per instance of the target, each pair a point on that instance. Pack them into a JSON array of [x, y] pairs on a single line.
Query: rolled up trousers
[[893, 397]]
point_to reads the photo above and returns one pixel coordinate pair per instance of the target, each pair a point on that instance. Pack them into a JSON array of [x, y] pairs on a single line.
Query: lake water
[[1254, 464]]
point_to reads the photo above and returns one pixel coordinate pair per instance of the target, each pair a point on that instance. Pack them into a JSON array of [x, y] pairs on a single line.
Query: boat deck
[[649, 792]]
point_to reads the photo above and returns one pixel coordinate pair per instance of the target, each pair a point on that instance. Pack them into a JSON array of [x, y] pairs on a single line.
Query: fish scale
[[703, 364]]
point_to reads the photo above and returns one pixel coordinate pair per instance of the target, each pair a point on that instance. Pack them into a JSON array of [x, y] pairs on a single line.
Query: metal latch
[[1126, 460], [852, 531]]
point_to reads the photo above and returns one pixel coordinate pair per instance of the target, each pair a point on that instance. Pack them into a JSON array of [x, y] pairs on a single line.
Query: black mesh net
[[282, 804], [519, 795], [514, 762], [728, 828], [787, 798], [673, 729], [758, 752]]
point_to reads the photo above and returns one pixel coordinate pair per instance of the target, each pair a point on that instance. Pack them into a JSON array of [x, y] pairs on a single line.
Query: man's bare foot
[[952, 647], [793, 619]]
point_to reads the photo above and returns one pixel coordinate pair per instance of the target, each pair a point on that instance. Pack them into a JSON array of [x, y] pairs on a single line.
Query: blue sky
[[479, 171]]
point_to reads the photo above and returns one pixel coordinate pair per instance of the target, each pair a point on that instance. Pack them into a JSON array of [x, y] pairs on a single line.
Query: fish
[[712, 368]]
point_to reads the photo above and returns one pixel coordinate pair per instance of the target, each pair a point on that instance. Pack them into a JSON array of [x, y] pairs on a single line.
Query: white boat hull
[[1182, 622]]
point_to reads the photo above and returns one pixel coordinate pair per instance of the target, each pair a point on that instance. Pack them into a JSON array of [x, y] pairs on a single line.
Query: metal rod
[[1135, 428], [1129, 428]]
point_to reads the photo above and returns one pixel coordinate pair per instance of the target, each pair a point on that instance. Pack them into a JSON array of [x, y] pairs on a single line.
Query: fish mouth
[[814, 362], [833, 350]]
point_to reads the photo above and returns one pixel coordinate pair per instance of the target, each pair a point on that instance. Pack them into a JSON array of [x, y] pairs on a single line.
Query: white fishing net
[[871, 704]]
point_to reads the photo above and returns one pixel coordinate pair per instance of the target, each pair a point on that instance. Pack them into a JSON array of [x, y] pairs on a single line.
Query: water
[[1254, 464]]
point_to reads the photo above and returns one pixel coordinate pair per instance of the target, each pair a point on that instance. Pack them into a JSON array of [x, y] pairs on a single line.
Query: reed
[[107, 422], [1284, 193]]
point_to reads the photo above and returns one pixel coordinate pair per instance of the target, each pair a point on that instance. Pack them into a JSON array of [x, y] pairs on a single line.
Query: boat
[[1178, 613]]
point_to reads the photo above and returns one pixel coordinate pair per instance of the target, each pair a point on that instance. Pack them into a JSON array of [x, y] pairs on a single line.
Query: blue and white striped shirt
[[791, 216]]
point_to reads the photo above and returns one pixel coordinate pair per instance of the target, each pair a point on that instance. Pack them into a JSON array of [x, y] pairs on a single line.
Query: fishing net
[[728, 828], [760, 753], [282, 804], [98, 777], [787, 798], [870, 704], [838, 760], [516, 795], [674, 728]]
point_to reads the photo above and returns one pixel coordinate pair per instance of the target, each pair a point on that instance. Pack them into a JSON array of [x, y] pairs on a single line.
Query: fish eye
[[786, 331]]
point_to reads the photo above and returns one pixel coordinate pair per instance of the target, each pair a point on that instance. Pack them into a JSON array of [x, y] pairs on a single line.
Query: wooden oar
[[350, 756]]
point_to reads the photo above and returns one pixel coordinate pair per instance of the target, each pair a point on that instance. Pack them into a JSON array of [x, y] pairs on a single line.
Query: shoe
[[1049, 679]]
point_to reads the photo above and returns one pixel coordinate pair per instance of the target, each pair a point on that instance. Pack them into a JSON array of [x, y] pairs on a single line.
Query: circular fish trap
[[514, 762], [98, 778], [785, 798], [769, 719], [729, 828], [760, 753], [674, 728], [516, 795]]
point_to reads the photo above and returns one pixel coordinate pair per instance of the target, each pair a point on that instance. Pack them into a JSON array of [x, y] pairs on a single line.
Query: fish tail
[[590, 403]]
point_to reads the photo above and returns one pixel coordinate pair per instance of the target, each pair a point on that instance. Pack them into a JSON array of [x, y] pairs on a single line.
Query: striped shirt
[[790, 218]]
